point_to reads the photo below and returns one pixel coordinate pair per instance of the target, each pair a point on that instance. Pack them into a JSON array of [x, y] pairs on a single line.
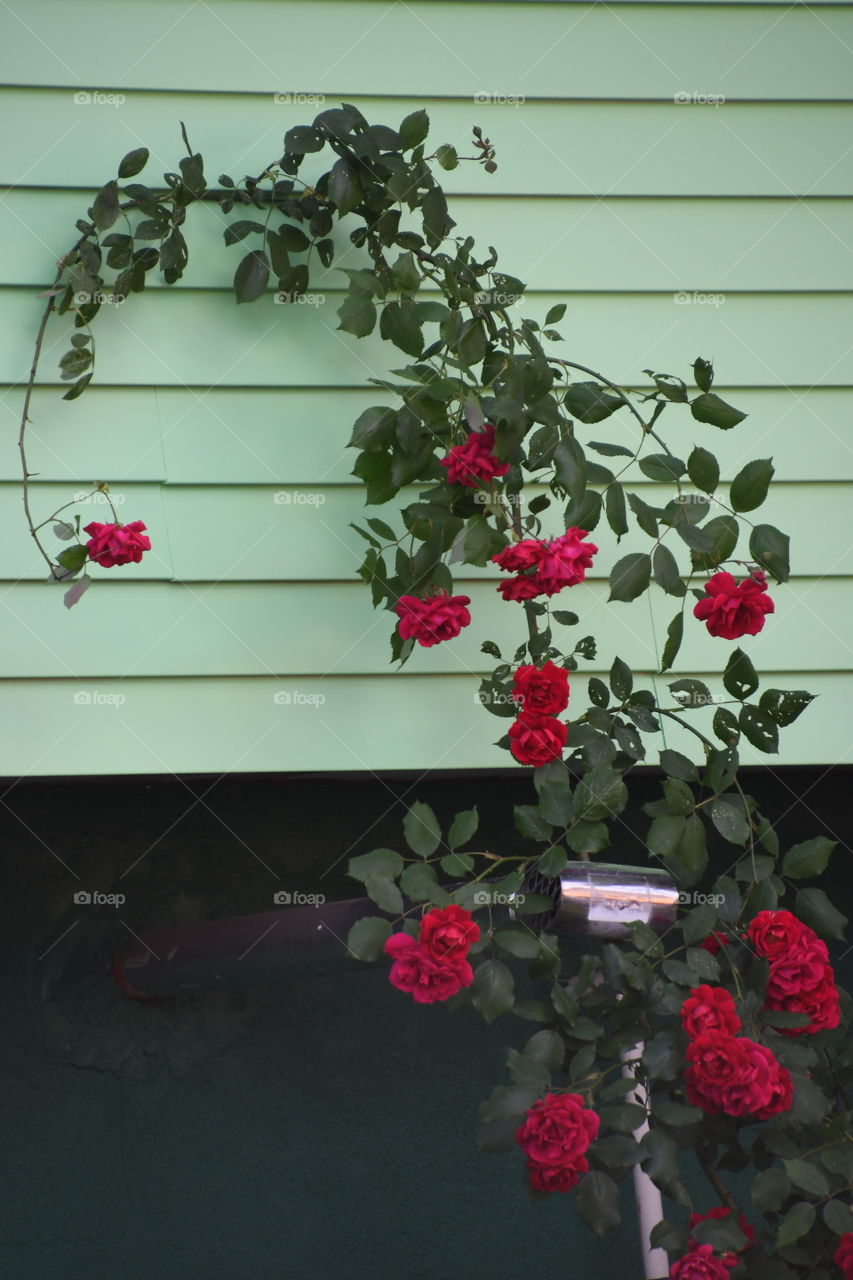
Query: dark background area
[[321, 1126]]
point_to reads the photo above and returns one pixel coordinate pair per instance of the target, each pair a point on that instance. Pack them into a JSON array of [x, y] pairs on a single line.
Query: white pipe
[[649, 1204]]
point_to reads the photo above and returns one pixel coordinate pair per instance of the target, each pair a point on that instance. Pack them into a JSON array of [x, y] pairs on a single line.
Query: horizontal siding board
[[187, 339], [260, 533], [171, 629], [297, 436], [552, 244], [651, 49], [371, 723], [552, 148]]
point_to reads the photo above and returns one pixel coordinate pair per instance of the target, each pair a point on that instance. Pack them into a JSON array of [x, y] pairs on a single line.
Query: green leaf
[[708, 407], [630, 576], [750, 485], [78, 388], [727, 815], [676, 765], [770, 1189], [555, 314], [815, 909], [293, 239], [570, 467], [530, 824], [610, 450], [807, 1177], [739, 677], [645, 515], [554, 789], [663, 467], [344, 187], [838, 1217], [703, 373], [105, 208], [518, 941], [447, 156], [457, 864], [357, 314], [413, 130], [250, 278], [621, 680], [597, 1202], [379, 862], [367, 938], [674, 636], [661, 1164], [703, 469], [463, 827], [420, 883], [384, 893], [666, 571], [797, 1221], [719, 536], [421, 829], [399, 324], [601, 793], [785, 706], [770, 550], [725, 726], [73, 558], [589, 402], [663, 1056], [808, 859], [675, 1113], [759, 729], [615, 509], [133, 163], [665, 835], [493, 989]]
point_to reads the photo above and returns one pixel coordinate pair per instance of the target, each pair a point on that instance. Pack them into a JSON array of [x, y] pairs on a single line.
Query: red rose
[[544, 690], [520, 555], [565, 561], [521, 588], [439, 617], [418, 973], [734, 1075], [843, 1256], [733, 609], [555, 1135], [112, 544], [473, 462], [702, 1264], [714, 943], [709, 1009], [781, 1095], [774, 933], [820, 1003], [448, 932], [717, 1215], [537, 739], [800, 969]]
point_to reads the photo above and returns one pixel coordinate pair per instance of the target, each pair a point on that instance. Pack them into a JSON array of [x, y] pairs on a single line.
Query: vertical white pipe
[[649, 1204]]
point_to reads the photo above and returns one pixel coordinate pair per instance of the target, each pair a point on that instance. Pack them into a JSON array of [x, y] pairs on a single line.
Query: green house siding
[[671, 228]]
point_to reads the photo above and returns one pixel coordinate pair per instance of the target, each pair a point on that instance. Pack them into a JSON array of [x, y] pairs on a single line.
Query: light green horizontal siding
[[424, 49], [609, 195], [365, 724], [550, 148], [296, 436], [317, 629]]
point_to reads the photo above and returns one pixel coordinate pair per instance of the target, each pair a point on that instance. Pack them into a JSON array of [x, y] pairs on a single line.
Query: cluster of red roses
[[700, 1262], [542, 693], [732, 609], [544, 568], [729, 1073], [434, 965], [801, 978], [555, 1135], [112, 544], [474, 462]]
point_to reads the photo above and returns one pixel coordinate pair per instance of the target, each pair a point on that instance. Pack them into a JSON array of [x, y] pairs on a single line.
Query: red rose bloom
[[820, 1003], [843, 1256], [521, 588], [536, 740], [418, 973], [520, 555], [717, 1215], [709, 1009], [430, 621], [565, 561], [112, 544], [732, 609], [734, 1075], [701, 1263], [555, 1135], [774, 933], [800, 969], [714, 943], [447, 933], [543, 690], [473, 462]]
